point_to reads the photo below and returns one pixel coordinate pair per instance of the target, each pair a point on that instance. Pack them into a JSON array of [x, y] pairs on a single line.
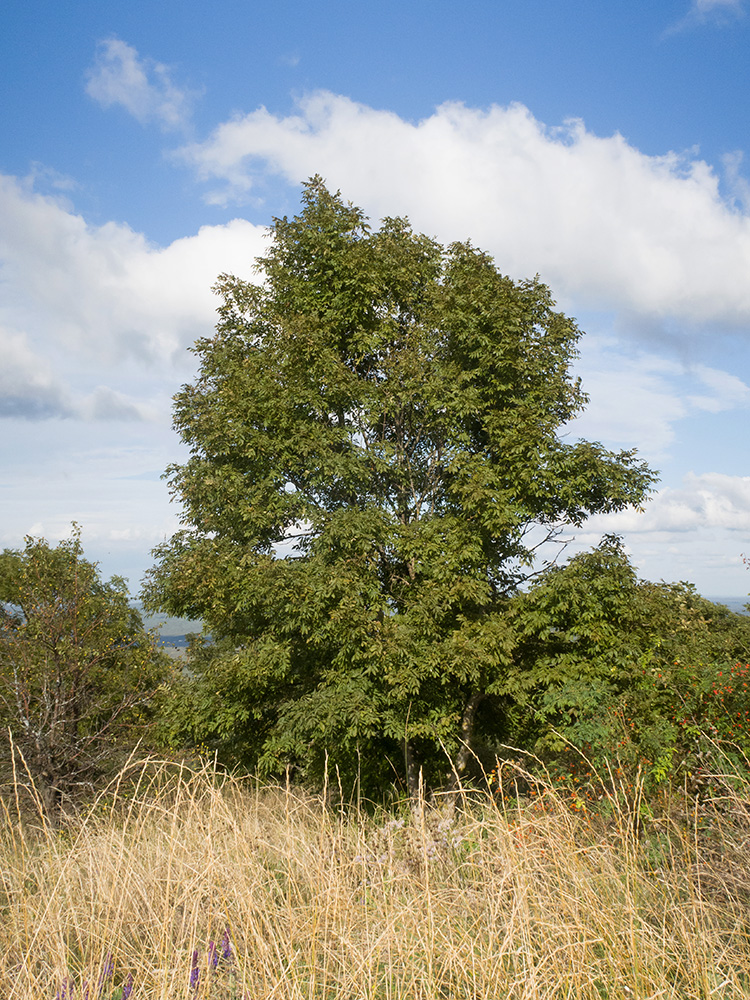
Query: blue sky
[[145, 147]]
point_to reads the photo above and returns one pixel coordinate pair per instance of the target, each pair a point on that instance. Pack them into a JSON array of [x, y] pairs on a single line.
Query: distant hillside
[[736, 604], [172, 631]]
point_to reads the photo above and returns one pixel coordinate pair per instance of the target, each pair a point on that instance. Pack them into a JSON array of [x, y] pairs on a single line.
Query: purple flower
[[195, 974], [226, 947], [213, 955], [66, 990], [128, 987], [106, 974]]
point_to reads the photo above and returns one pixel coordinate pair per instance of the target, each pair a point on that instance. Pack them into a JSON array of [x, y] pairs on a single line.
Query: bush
[[78, 670]]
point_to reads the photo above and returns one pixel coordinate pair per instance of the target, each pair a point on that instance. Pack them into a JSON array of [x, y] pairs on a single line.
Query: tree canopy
[[617, 669], [375, 452], [77, 668]]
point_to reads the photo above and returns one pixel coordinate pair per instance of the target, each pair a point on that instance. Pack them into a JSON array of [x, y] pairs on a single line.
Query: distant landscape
[[736, 604], [171, 631]]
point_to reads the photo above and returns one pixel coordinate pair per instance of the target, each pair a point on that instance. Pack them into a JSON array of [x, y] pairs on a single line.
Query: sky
[[145, 149]]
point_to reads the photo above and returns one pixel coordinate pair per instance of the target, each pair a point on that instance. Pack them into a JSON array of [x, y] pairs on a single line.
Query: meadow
[[182, 882]]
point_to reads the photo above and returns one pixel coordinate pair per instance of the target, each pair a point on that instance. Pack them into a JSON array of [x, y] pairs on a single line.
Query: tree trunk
[[467, 731], [51, 799], [413, 772]]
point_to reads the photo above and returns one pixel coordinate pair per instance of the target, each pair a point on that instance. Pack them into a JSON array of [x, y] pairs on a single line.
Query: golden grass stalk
[[488, 901]]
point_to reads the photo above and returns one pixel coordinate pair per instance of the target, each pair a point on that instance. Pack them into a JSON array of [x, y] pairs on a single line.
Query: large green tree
[[374, 453], [77, 668]]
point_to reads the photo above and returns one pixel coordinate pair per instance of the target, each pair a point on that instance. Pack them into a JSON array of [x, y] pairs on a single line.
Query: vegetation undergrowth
[[186, 883]]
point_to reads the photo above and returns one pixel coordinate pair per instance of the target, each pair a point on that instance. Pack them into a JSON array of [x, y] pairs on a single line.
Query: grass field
[[184, 884]]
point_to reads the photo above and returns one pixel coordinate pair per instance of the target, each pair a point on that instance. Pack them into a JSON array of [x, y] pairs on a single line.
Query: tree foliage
[[623, 670], [375, 451], [77, 668]]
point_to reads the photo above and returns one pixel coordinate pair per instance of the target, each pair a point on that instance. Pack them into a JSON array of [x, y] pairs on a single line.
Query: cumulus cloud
[[142, 86], [29, 390], [106, 403], [696, 531], [105, 293], [710, 500], [603, 223], [95, 320]]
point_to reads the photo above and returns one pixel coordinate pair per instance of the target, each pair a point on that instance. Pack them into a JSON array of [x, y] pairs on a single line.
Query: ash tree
[[77, 669], [374, 453], [650, 675]]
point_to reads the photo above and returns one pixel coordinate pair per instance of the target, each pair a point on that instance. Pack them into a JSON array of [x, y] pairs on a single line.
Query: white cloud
[[603, 223], [696, 532], [707, 8], [89, 473], [108, 404], [141, 86], [31, 390], [700, 12], [41, 176], [28, 388], [638, 398], [104, 293], [95, 320], [632, 401], [737, 184], [709, 500], [725, 391]]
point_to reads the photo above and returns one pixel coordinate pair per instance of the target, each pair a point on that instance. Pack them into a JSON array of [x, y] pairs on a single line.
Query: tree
[[649, 675], [374, 457], [77, 668]]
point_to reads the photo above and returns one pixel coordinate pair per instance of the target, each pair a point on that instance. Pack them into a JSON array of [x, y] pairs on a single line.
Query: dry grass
[[489, 902]]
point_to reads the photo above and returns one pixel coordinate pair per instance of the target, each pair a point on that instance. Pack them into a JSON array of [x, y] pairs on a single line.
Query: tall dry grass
[[490, 901]]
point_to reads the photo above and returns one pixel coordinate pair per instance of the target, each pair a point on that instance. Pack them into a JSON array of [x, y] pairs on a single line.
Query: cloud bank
[[84, 306], [606, 225], [707, 500]]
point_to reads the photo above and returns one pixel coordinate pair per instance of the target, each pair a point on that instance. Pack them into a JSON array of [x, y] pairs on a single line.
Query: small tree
[[385, 410], [622, 670], [77, 668]]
